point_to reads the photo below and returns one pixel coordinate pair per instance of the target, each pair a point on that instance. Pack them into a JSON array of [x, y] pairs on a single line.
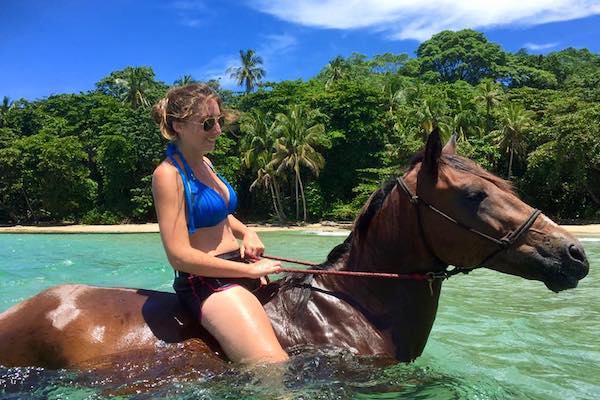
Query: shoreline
[[153, 228], [592, 229]]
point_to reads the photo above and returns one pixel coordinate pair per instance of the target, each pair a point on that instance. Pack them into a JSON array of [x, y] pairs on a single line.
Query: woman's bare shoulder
[[206, 160], [165, 174]]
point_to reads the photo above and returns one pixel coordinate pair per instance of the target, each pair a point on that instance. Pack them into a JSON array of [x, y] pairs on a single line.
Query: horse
[[445, 211]]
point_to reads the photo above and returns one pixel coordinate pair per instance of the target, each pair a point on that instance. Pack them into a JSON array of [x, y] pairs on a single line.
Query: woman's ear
[[177, 126]]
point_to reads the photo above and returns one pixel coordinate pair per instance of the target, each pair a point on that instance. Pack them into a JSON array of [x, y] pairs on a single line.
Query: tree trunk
[[303, 198], [297, 199], [274, 200], [510, 161], [282, 215], [30, 210]]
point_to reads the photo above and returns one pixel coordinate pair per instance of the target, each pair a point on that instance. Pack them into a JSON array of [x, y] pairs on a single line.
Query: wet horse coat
[[77, 325]]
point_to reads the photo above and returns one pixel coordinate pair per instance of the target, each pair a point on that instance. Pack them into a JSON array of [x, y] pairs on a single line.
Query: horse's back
[[68, 325]]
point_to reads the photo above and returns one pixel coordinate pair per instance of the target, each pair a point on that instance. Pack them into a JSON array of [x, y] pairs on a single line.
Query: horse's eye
[[476, 196]]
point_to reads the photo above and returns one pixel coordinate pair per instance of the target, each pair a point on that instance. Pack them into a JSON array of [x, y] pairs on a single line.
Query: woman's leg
[[238, 321]]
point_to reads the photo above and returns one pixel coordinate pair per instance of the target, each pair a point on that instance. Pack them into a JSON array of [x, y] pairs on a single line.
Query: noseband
[[503, 243]]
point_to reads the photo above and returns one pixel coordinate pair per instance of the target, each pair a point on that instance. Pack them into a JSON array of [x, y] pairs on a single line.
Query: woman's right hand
[[263, 267]]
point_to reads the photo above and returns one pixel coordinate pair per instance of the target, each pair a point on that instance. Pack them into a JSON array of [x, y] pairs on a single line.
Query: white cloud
[[539, 46], [192, 13], [217, 69], [410, 19], [276, 45]]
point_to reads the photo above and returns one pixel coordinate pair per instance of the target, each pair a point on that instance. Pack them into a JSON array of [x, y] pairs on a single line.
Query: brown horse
[[445, 211]]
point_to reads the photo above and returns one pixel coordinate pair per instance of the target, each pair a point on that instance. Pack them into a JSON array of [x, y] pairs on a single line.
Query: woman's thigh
[[238, 321]]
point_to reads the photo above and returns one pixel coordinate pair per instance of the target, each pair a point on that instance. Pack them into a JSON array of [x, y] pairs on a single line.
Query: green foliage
[[315, 203], [142, 201], [464, 55], [98, 217], [133, 85], [341, 211], [89, 157], [46, 177], [565, 171], [115, 159]]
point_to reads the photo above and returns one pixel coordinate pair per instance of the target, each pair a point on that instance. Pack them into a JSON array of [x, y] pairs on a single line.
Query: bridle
[[503, 243], [442, 273]]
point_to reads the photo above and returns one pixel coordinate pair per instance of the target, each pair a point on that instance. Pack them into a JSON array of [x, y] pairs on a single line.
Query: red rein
[[413, 276]]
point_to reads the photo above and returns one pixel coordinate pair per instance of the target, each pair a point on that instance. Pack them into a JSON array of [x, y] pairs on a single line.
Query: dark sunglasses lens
[[209, 124]]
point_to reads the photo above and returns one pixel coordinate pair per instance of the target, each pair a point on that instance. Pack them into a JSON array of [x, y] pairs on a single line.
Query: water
[[495, 337]]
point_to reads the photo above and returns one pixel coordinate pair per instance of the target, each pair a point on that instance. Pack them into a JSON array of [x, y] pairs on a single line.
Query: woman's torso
[[205, 194]]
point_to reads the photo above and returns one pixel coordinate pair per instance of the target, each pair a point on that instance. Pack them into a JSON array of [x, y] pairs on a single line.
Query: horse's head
[[483, 202]]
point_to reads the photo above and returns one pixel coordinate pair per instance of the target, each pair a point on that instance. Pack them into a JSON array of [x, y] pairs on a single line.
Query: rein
[[503, 243], [411, 276]]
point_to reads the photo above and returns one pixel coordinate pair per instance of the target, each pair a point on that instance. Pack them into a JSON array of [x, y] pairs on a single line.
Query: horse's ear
[[433, 151], [450, 147]]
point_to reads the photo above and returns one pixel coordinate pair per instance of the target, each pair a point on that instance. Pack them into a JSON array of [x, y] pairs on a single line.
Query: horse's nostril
[[577, 253]]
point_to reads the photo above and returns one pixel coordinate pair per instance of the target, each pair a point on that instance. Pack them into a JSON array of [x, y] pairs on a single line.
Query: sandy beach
[[579, 230], [153, 228]]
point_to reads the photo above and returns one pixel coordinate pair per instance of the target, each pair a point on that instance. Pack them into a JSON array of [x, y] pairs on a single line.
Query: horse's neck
[[368, 314], [393, 241]]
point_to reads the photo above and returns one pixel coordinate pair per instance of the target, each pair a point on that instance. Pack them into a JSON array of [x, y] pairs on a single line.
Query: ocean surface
[[495, 336]]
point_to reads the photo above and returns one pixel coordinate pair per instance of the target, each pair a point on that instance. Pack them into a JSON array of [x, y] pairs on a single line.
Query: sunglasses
[[209, 122]]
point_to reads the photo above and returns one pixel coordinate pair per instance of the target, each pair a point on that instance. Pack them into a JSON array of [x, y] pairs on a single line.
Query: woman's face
[[200, 131]]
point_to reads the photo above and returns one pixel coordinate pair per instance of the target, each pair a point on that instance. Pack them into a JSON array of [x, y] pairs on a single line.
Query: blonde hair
[[181, 103]]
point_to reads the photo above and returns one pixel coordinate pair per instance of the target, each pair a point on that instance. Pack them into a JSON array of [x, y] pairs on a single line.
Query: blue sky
[[59, 46]]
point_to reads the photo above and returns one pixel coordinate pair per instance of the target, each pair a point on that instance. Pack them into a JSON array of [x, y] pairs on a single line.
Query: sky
[[66, 46]]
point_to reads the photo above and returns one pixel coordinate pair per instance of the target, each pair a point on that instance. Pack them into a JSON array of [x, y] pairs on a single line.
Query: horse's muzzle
[[573, 267], [575, 263]]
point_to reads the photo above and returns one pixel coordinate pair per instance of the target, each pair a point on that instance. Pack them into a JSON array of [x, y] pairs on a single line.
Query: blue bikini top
[[205, 206]]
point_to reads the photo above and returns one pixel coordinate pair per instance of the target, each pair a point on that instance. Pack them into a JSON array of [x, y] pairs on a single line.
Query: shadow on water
[[310, 374]]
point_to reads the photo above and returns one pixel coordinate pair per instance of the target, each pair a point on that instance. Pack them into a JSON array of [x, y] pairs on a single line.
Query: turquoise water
[[495, 337]]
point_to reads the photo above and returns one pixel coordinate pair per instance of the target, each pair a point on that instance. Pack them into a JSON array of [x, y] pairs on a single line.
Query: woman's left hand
[[252, 248]]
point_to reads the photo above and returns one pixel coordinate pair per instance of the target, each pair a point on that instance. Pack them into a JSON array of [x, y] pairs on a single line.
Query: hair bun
[[159, 111]]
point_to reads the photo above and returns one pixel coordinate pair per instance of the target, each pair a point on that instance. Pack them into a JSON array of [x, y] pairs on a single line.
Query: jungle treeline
[[316, 149]]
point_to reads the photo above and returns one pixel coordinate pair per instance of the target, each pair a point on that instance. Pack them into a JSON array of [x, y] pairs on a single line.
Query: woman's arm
[[252, 247], [169, 202]]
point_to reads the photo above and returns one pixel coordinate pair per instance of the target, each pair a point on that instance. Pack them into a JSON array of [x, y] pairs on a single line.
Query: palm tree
[[431, 113], [257, 153], [490, 95], [396, 92], [466, 120], [515, 122], [6, 105], [184, 80], [336, 70], [250, 72], [267, 177], [295, 148], [134, 85]]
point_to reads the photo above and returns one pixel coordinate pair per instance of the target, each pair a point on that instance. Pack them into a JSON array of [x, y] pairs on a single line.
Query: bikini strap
[[188, 169], [187, 190]]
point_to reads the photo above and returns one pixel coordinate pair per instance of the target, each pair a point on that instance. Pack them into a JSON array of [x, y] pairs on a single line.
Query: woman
[[194, 207]]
